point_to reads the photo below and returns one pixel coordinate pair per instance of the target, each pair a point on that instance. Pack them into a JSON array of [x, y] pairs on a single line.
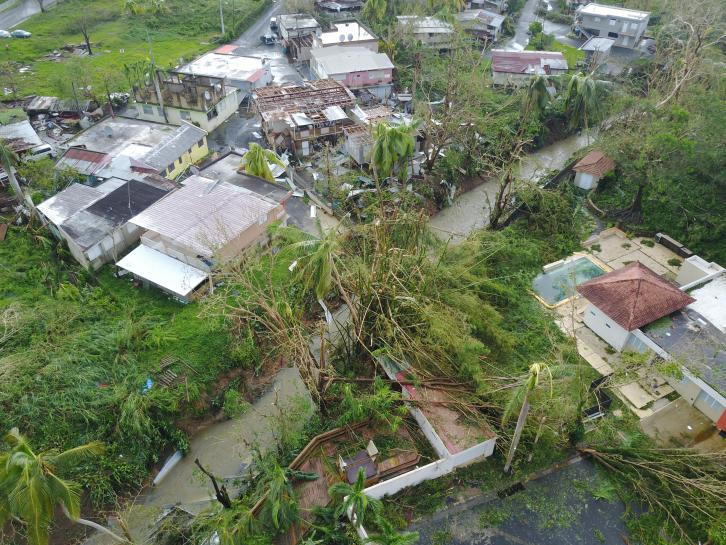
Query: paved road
[[251, 36], [521, 29], [14, 12], [558, 509]]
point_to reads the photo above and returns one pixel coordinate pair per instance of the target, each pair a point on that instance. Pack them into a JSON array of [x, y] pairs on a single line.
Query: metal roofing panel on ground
[[22, 131], [162, 270]]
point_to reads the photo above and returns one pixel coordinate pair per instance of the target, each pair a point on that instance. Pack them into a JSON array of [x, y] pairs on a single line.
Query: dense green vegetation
[[77, 350], [120, 33]]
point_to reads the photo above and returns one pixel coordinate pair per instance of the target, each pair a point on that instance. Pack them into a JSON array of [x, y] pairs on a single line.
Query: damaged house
[[295, 117], [178, 97]]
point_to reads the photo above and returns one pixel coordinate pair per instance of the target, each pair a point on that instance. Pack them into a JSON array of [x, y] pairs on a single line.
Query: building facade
[[625, 26]]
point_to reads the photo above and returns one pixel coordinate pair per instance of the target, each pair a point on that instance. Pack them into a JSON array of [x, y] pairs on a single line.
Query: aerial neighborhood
[[362, 272]]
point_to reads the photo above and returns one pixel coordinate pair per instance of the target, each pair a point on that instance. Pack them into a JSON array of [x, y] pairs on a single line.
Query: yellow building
[[187, 146]]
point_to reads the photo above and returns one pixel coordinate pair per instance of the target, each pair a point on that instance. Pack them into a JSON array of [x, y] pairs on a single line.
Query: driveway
[[557, 509], [521, 28]]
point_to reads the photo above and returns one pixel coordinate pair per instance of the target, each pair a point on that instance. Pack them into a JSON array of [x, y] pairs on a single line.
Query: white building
[[626, 308], [240, 72], [625, 26], [591, 168], [483, 24], [347, 33], [428, 30], [297, 25], [597, 51]]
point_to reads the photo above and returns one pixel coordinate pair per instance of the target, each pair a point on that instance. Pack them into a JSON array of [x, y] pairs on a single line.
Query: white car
[[4, 34]]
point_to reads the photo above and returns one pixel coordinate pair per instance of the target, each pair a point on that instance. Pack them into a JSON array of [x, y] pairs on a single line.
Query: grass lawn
[[76, 352], [184, 30], [571, 54]]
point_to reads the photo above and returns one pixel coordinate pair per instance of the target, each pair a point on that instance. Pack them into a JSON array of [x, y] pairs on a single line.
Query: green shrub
[[234, 405]]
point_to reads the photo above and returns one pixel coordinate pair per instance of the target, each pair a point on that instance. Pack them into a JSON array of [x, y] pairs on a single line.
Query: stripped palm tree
[[30, 488], [537, 96], [582, 101], [389, 536], [8, 158], [256, 162]]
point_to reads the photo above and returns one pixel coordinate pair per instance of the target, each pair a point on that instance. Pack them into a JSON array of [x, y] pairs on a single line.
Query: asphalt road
[[251, 36], [558, 509], [14, 12]]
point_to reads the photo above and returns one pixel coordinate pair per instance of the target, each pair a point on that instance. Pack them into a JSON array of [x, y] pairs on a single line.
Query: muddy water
[[470, 210]]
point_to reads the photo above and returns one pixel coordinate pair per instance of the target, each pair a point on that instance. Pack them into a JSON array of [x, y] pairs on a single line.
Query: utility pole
[[155, 78], [221, 16]]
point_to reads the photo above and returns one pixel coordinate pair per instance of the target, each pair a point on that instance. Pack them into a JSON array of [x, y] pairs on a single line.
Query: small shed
[[597, 50], [591, 168]]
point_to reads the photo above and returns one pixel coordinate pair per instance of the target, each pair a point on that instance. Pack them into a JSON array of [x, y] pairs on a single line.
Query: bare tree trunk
[[87, 39], [13, 181], [94, 525], [220, 492], [517, 433]]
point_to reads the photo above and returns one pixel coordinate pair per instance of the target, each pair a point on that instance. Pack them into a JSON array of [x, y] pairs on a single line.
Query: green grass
[[80, 351], [571, 54], [11, 115], [117, 38]]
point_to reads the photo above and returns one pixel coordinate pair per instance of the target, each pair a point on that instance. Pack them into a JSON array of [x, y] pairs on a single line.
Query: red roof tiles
[[527, 62], [634, 296], [595, 163]]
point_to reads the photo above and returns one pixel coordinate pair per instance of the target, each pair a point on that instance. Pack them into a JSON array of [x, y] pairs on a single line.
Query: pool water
[[559, 284]]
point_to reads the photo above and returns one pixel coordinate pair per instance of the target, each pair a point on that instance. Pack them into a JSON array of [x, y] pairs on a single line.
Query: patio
[[648, 391]]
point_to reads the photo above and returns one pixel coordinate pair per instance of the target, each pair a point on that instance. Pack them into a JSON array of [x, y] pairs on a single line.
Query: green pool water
[[558, 284]]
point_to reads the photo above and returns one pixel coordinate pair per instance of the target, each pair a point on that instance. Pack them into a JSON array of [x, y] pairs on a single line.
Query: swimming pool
[[558, 283]]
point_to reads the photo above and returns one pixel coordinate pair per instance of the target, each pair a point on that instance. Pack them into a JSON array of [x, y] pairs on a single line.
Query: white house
[[296, 25], [591, 168], [517, 67], [239, 71], [347, 33], [625, 26], [485, 25], [429, 31], [625, 310]]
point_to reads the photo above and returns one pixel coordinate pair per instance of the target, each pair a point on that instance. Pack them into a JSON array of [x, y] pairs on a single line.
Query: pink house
[[354, 67]]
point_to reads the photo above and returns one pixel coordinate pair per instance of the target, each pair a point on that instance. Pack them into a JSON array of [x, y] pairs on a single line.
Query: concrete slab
[[638, 255], [636, 395], [660, 254], [611, 245]]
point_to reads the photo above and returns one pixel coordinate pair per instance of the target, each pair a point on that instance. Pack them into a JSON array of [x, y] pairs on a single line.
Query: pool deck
[[646, 393]]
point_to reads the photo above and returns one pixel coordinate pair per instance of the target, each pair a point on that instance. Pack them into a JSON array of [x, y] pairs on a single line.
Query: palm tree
[[392, 147], [374, 11], [257, 162], [582, 101], [537, 96], [389, 536], [318, 270], [281, 506], [8, 158], [521, 399], [353, 499], [30, 489]]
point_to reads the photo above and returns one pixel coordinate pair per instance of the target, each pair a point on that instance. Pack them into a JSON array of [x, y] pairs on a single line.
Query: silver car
[[21, 34], [4, 34]]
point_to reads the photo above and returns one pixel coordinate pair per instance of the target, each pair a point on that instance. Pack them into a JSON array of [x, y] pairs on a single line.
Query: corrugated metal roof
[[72, 199], [174, 147], [340, 59], [595, 163], [85, 161], [205, 215], [527, 62], [21, 135]]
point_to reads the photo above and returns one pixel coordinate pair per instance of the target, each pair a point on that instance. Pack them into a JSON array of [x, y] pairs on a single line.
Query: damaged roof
[[168, 151], [527, 62], [595, 163]]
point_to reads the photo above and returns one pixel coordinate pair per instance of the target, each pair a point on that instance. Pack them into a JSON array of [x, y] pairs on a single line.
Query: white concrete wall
[[176, 116], [428, 430], [628, 32], [605, 327], [583, 180]]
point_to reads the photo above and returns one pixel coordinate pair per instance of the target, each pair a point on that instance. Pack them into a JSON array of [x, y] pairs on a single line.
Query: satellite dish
[[207, 96], [341, 37], [350, 37]]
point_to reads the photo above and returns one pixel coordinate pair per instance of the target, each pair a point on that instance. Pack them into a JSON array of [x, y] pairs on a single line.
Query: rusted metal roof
[[527, 62], [85, 161], [595, 163], [634, 296]]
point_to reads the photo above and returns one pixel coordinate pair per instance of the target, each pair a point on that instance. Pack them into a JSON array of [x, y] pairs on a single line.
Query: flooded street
[[470, 210]]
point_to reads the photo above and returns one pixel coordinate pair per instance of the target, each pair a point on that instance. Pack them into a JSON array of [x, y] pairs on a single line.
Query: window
[[212, 113], [633, 26], [200, 144], [596, 19], [148, 110], [159, 111], [185, 115], [612, 22], [612, 34]]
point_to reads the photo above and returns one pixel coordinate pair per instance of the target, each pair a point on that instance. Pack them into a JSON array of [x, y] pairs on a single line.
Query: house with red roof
[[591, 168], [517, 67], [624, 300]]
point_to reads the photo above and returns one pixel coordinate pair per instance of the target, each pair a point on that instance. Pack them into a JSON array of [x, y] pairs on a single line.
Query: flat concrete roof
[[232, 67], [600, 10], [349, 31]]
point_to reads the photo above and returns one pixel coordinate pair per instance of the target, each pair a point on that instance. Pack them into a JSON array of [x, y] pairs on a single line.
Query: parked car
[[21, 34], [273, 23], [39, 152], [4, 34], [267, 39]]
